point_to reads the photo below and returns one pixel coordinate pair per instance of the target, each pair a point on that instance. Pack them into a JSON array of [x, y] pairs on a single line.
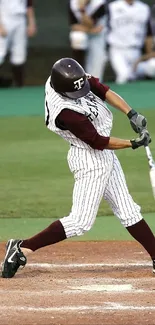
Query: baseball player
[[87, 34], [129, 28], [17, 21], [76, 109]]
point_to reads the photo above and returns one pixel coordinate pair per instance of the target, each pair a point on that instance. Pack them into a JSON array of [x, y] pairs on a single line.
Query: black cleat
[[14, 258], [153, 266]]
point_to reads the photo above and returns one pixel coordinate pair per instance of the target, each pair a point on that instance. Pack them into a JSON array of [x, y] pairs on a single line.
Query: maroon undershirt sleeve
[[97, 88], [82, 128]]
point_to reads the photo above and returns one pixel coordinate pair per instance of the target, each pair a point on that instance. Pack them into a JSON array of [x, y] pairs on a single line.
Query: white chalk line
[[83, 289], [87, 265], [65, 309]]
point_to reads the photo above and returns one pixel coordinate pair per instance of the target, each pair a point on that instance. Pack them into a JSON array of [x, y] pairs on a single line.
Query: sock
[[79, 56], [143, 234], [51, 235], [18, 74]]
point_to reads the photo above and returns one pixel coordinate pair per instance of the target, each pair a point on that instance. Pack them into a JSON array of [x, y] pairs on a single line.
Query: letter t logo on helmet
[[78, 84]]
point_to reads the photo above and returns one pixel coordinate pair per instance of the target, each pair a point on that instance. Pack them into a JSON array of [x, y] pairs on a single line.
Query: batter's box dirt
[[84, 283]]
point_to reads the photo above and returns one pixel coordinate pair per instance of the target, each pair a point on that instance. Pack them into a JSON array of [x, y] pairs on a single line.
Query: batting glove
[[143, 140], [138, 122]]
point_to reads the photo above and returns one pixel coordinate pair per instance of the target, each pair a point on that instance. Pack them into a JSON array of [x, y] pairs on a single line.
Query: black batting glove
[[138, 122], [143, 140]]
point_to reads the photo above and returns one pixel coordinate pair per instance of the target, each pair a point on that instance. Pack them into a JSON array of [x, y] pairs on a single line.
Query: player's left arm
[[138, 122], [31, 20]]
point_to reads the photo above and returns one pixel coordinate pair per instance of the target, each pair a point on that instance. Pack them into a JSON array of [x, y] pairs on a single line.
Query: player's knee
[[131, 217], [76, 226], [83, 227], [18, 60]]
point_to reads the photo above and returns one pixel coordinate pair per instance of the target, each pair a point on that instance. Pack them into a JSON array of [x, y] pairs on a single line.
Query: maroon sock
[[51, 235], [143, 234]]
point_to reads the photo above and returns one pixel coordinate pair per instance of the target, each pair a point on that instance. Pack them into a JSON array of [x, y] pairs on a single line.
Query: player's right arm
[[79, 125]]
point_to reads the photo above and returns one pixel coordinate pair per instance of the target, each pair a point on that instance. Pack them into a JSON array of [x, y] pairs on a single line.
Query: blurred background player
[[129, 29], [87, 34], [17, 22]]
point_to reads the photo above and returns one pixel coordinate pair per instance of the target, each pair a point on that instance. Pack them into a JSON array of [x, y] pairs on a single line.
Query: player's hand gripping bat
[[152, 168]]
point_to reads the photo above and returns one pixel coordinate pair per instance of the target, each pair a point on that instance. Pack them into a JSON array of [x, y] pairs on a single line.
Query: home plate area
[[85, 283]]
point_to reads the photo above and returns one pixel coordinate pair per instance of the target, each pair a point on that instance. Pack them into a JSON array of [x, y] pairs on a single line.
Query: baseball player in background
[[17, 22], [76, 109], [88, 34], [129, 29]]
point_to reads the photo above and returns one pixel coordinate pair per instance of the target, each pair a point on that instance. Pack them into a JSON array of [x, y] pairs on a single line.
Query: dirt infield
[[81, 283]]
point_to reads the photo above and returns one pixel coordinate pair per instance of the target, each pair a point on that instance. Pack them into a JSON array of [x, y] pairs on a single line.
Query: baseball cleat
[[14, 258], [153, 266]]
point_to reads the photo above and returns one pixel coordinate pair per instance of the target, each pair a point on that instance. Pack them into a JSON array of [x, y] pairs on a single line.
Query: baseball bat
[[151, 163]]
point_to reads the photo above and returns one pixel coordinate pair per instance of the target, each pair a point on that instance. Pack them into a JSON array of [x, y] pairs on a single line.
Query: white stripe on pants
[[89, 189]]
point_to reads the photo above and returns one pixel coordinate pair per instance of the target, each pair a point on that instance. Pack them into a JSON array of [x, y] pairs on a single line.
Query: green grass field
[[35, 178]]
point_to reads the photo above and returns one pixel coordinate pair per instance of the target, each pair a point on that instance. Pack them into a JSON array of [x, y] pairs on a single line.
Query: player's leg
[[96, 57], [4, 43], [19, 52], [119, 64], [146, 69], [127, 210], [132, 56], [87, 194]]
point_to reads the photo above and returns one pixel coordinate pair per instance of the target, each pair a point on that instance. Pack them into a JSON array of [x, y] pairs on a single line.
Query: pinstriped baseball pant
[[91, 186]]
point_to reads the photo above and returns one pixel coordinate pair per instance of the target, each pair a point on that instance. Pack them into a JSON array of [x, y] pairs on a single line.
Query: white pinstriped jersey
[[90, 105], [12, 7]]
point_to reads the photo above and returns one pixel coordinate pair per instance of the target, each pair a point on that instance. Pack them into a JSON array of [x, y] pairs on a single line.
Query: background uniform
[[129, 24], [88, 48], [98, 174], [13, 18]]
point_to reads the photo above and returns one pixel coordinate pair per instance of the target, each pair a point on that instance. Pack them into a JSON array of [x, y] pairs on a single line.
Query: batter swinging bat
[[152, 168]]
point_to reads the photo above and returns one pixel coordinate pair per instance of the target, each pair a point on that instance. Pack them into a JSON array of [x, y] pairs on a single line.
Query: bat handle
[[149, 157], [148, 151]]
